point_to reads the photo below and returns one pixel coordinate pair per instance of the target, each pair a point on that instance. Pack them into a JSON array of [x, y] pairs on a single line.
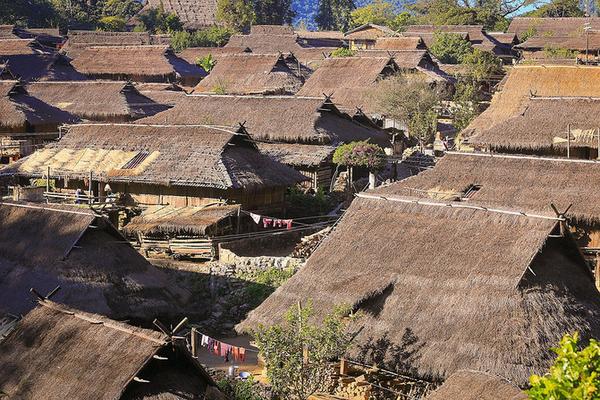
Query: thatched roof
[[506, 38], [523, 81], [307, 120], [320, 38], [578, 43], [171, 155], [350, 79], [79, 40], [194, 14], [46, 36], [97, 270], [443, 288], [298, 155], [520, 182], [543, 124], [369, 32], [61, 352], [146, 63], [428, 37], [476, 385], [166, 219], [411, 60], [96, 100], [29, 60], [565, 26], [250, 73], [399, 43], [20, 112], [192, 54]]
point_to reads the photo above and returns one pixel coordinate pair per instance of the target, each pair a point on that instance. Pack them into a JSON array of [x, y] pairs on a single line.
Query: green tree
[[342, 52], [32, 13], [121, 8], [73, 12], [273, 12], [207, 63], [378, 12], [450, 48], [575, 373], [409, 98], [324, 18], [360, 154], [465, 105], [239, 390], [214, 36], [490, 13], [112, 23], [298, 353], [482, 65], [236, 14], [558, 8], [156, 20]]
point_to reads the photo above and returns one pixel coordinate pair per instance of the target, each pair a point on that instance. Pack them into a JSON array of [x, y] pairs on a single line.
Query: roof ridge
[[4, 203], [522, 157]]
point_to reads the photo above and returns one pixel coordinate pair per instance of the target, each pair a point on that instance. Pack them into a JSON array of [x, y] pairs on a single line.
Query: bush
[[239, 390], [360, 154], [342, 52], [450, 48], [210, 37], [302, 204], [559, 52], [206, 63], [482, 65], [113, 24], [575, 373]]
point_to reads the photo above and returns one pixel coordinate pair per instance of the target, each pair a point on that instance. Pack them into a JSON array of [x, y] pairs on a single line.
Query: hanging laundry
[[242, 354], [288, 223], [267, 222], [225, 349], [256, 218], [204, 341], [277, 223], [235, 352], [216, 347]]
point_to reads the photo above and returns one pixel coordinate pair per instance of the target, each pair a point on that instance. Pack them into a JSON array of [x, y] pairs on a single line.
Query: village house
[[193, 14], [461, 286], [58, 352], [320, 38], [97, 270], [77, 40], [583, 48], [305, 139], [250, 73], [551, 27], [50, 37], [526, 81], [193, 54], [476, 385], [365, 36], [154, 63], [28, 60]]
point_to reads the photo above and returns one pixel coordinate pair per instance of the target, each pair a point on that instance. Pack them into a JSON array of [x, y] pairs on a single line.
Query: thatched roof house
[[551, 48], [547, 126], [333, 39], [459, 286], [28, 60], [46, 36], [476, 385], [157, 164], [194, 14], [97, 270], [419, 61], [548, 27], [137, 63], [104, 101], [523, 81], [81, 39], [20, 112], [399, 43], [250, 73], [193, 54], [365, 36], [60, 352]]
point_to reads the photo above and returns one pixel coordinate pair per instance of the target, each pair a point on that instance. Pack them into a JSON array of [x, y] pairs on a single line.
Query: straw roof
[[97, 270], [523, 81], [154, 63], [428, 37], [96, 100], [544, 124], [59, 352], [298, 155], [194, 14], [167, 219], [20, 112], [445, 288], [564, 26], [579, 43], [399, 43], [250, 73], [307, 120], [369, 32], [476, 385], [350, 79], [412, 61], [520, 182], [192, 54], [46, 36], [171, 155], [79, 40]]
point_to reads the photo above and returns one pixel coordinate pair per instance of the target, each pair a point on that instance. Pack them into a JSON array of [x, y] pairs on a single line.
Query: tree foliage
[[482, 65], [32, 13], [342, 52], [558, 8], [273, 12], [112, 23], [206, 63], [298, 353], [156, 20], [465, 104], [575, 373], [360, 154], [214, 36], [334, 14], [237, 15], [450, 48], [121, 8]]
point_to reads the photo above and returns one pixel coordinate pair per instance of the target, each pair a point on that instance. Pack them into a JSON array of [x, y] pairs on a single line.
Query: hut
[[83, 253], [551, 27], [365, 36], [193, 54], [162, 93], [137, 63], [193, 14], [333, 39], [82, 39], [399, 43], [460, 286], [50, 37], [28, 60], [305, 139], [584, 48], [412, 61], [192, 165], [524, 81], [476, 385], [26, 122], [102, 101], [58, 352], [250, 73]]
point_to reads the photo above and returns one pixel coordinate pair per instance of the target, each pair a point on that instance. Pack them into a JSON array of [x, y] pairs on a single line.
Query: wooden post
[[569, 141], [598, 151], [90, 189], [47, 179], [343, 367], [237, 231], [194, 344]]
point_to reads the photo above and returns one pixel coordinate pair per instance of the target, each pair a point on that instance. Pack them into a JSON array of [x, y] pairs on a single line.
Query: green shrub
[[207, 63], [360, 154], [239, 390], [559, 52], [342, 52], [112, 24], [450, 48]]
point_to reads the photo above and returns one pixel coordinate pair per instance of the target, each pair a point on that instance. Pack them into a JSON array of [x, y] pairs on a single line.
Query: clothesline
[[267, 220], [220, 348]]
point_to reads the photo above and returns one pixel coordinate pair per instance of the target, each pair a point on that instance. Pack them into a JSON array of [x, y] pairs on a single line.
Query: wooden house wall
[[320, 177]]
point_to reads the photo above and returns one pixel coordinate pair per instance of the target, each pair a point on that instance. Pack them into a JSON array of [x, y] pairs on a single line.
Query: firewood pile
[[308, 244], [354, 388]]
